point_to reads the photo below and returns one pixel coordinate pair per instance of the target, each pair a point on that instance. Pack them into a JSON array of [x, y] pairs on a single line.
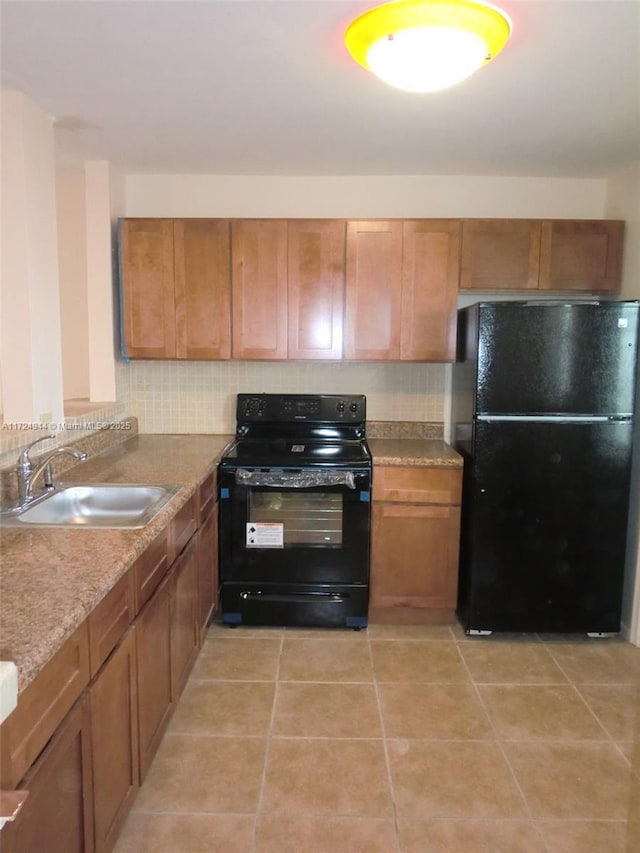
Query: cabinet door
[[147, 280], [114, 742], [153, 658], [414, 557], [203, 288], [185, 627], [316, 257], [57, 815], [500, 254], [430, 265], [259, 288], [373, 290], [581, 255]]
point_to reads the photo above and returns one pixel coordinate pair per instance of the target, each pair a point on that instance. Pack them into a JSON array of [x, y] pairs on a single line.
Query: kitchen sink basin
[[94, 505]]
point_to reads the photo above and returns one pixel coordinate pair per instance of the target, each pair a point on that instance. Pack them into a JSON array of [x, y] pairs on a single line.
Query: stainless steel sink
[[94, 505]]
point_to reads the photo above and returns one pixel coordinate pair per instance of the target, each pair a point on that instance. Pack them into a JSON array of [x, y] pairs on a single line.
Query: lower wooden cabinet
[[42, 706], [114, 742], [57, 816], [153, 657], [184, 624], [207, 569], [415, 544], [124, 668]]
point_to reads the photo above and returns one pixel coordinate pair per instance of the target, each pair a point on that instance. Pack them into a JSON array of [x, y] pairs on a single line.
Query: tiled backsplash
[[199, 396]]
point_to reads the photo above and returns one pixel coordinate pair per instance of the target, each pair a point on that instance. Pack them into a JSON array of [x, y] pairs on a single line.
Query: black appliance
[[295, 512], [543, 415]]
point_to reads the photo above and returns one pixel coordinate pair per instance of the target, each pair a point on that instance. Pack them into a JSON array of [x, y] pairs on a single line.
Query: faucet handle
[[24, 462]]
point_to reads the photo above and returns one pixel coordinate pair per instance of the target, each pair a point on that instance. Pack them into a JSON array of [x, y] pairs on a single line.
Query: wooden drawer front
[[207, 496], [418, 485], [43, 705], [149, 569], [182, 528], [109, 621]]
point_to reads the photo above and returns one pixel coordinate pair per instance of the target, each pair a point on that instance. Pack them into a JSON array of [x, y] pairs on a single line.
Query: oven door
[[298, 526]]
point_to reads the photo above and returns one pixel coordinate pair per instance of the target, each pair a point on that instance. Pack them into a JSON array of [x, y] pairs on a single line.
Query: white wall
[[366, 196], [72, 264], [89, 200], [31, 342], [623, 202], [103, 192]]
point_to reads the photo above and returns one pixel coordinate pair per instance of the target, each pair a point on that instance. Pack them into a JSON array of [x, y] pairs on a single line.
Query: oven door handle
[[298, 480], [297, 597]]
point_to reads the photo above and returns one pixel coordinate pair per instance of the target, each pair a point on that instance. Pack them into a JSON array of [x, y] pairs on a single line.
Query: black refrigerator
[[543, 405]]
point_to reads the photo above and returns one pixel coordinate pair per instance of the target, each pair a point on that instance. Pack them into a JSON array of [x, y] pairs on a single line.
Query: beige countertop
[[51, 579], [419, 452]]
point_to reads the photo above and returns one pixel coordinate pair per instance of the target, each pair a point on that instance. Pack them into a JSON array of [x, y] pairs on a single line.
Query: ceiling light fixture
[[427, 45]]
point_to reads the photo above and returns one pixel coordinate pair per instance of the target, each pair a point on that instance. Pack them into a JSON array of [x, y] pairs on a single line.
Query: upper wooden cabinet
[[581, 255], [328, 289], [500, 254], [524, 254], [176, 288], [259, 251], [202, 264], [401, 289], [148, 296], [315, 305], [288, 285], [430, 265], [373, 290]]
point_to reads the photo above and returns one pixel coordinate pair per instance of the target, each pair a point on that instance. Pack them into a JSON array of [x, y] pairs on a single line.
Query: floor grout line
[[267, 751], [503, 751], [385, 741]]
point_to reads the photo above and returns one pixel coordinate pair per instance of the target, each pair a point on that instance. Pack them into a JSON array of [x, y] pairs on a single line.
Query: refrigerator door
[[545, 358], [544, 527]]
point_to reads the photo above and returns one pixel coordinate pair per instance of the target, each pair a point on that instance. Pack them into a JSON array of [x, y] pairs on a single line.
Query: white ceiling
[[267, 87]]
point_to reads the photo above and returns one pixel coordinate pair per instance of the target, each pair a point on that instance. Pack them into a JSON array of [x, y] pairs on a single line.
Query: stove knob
[[354, 407], [340, 407]]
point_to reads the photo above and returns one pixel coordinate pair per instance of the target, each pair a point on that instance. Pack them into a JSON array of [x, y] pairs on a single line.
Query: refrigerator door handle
[[555, 419]]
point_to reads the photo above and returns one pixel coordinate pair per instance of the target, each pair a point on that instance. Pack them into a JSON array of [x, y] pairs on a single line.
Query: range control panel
[[293, 408]]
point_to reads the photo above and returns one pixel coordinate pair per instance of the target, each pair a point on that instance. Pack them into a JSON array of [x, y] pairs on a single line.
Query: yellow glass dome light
[[427, 45]]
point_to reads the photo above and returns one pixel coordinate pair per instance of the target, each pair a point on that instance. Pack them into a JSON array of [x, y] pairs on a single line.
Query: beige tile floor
[[407, 739]]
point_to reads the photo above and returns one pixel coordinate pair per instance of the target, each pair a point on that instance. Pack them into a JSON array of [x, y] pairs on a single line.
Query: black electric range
[[295, 512]]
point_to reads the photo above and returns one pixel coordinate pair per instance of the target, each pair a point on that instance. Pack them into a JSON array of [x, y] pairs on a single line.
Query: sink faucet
[[27, 474]]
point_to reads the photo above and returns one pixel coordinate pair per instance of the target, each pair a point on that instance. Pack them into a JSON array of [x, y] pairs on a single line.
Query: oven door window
[[282, 519]]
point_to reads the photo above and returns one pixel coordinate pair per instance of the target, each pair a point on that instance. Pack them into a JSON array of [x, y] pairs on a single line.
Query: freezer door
[[544, 527], [576, 358]]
